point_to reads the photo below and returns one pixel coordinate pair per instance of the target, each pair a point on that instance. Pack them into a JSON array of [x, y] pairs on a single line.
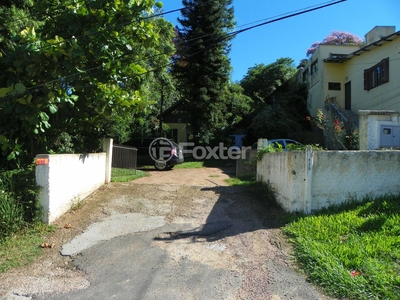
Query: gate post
[[107, 148], [309, 165]]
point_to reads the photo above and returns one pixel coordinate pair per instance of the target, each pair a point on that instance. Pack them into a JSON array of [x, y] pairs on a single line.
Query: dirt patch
[[230, 228]]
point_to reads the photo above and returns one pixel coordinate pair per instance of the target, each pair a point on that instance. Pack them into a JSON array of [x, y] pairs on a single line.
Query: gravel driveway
[[181, 234]]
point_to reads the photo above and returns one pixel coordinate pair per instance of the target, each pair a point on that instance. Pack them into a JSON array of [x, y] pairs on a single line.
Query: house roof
[[177, 105], [339, 58]]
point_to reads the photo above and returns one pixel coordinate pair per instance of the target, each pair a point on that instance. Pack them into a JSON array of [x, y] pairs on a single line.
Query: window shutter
[[367, 79], [385, 70]]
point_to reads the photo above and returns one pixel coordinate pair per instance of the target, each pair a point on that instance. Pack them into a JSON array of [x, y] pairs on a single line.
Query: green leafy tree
[[71, 66], [279, 105], [202, 66], [262, 80]]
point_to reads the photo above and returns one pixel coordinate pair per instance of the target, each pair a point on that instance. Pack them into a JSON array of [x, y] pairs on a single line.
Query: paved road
[[197, 240]]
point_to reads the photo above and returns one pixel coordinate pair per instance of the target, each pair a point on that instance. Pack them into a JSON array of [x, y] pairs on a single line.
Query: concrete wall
[[370, 127], [66, 179], [305, 181]]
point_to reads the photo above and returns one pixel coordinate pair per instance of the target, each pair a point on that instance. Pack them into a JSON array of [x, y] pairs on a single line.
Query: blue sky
[[293, 36]]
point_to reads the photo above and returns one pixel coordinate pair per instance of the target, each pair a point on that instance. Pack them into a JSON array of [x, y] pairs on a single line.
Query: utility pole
[[161, 108]]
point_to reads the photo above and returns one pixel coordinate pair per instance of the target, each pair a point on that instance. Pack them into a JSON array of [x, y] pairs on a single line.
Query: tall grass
[[352, 250], [19, 203]]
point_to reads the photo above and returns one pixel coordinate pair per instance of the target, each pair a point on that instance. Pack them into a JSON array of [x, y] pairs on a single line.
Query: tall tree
[[279, 105], [202, 66], [70, 66], [262, 80]]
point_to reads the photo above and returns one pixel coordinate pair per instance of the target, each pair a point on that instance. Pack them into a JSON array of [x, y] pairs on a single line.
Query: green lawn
[[353, 250], [23, 248], [124, 175]]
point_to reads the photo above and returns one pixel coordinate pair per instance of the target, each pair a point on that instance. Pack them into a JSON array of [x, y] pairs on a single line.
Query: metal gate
[[124, 157]]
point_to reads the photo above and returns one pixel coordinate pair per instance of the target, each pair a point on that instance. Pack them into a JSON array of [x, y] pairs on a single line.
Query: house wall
[[306, 181], [66, 179], [383, 97], [183, 130], [327, 72]]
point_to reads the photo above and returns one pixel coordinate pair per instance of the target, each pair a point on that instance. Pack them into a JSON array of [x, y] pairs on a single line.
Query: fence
[[124, 157]]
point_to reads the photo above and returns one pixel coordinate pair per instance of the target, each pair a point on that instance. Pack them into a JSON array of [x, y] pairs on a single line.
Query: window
[[314, 67], [305, 75], [387, 131], [377, 75], [334, 86]]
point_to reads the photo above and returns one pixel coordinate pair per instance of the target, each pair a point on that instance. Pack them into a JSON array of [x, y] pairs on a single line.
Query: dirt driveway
[[180, 234]]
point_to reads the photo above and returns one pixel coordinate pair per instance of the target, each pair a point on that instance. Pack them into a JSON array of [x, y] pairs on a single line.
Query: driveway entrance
[[182, 234]]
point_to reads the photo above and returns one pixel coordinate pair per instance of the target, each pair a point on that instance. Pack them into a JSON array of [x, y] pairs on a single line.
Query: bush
[[11, 216], [19, 203]]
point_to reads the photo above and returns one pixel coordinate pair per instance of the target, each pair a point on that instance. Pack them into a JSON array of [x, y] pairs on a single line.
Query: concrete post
[[42, 180], [261, 143], [107, 148], [308, 180]]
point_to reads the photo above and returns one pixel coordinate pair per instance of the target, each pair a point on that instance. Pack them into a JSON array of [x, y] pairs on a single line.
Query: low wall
[[66, 179], [309, 180]]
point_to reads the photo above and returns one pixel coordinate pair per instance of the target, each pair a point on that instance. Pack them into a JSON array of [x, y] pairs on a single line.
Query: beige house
[[348, 79]]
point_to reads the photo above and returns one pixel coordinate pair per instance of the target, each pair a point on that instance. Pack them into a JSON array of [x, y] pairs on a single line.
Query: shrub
[[11, 215], [19, 203]]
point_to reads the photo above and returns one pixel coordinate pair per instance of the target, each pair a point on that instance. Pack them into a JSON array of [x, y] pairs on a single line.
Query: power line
[[288, 16]]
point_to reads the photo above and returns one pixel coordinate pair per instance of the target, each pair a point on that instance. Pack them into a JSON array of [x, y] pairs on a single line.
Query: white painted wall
[[66, 179], [309, 180]]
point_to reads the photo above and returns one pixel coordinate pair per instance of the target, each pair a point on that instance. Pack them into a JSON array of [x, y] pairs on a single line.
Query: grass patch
[[190, 165], [242, 181], [124, 175], [352, 250], [24, 247]]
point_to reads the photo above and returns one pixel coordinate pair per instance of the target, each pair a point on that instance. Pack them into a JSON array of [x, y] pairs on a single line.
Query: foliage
[[73, 67], [271, 121], [271, 148], [297, 147], [351, 250], [201, 64], [11, 215], [238, 105], [340, 135], [262, 80], [19, 203], [279, 105], [336, 38]]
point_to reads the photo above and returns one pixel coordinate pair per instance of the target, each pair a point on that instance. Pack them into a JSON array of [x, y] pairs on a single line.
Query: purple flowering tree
[[336, 37]]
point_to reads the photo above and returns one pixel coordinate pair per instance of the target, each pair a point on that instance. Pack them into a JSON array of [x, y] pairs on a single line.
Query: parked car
[[283, 142], [163, 153]]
